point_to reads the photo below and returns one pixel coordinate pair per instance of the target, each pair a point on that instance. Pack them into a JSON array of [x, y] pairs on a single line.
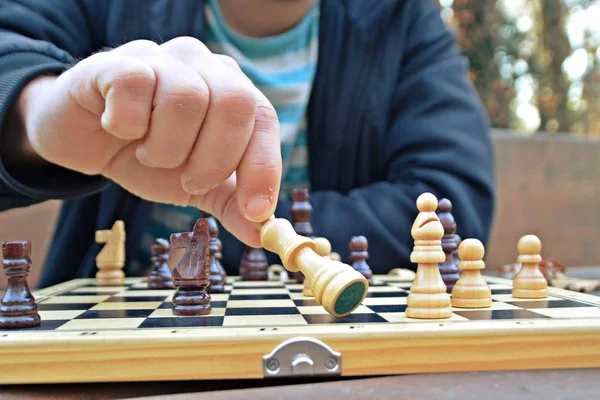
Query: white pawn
[[530, 282], [471, 291], [428, 298]]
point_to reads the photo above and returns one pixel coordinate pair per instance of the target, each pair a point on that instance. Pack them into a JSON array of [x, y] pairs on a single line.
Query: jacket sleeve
[[437, 140], [42, 37]]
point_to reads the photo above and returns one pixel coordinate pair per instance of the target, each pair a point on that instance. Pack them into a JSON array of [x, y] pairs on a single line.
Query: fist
[[172, 123]]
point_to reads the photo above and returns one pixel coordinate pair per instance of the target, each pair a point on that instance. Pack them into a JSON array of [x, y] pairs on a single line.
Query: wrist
[[16, 146]]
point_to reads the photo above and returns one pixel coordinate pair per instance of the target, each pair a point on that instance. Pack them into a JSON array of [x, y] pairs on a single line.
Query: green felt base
[[350, 298]]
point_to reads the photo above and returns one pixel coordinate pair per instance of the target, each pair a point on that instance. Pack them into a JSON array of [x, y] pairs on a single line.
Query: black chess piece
[[458, 241], [449, 268], [301, 211], [160, 277], [359, 247], [217, 272], [191, 275], [254, 265], [18, 308]]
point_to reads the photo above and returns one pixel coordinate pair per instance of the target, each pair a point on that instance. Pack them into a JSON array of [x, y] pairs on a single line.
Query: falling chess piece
[[449, 268], [160, 276], [336, 286], [191, 275], [217, 272], [428, 298], [111, 259], [359, 247], [254, 265], [300, 212], [471, 290], [530, 283], [17, 308], [323, 248]]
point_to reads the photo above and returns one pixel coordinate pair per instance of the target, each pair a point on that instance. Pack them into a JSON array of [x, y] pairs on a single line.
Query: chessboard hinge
[[302, 356]]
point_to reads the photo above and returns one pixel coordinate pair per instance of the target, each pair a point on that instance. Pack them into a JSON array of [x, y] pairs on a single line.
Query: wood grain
[[129, 359], [118, 355]]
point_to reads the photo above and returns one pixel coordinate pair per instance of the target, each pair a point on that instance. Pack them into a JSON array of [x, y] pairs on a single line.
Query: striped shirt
[[282, 67]]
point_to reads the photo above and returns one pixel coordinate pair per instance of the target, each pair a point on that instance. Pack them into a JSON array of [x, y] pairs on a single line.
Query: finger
[[163, 186], [106, 95], [178, 109], [227, 126], [221, 202], [127, 86], [260, 170]]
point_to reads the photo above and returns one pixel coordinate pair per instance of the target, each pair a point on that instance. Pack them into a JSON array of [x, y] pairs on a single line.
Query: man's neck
[[263, 18]]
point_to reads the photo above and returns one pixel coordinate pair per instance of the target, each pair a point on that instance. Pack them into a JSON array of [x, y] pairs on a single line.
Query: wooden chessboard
[[92, 333]]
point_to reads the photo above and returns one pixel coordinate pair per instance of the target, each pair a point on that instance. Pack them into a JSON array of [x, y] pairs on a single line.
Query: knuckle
[[193, 98], [230, 61], [268, 168], [157, 157], [211, 175], [131, 75], [79, 90], [266, 165], [219, 171], [266, 114], [141, 46], [187, 43], [237, 102], [116, 128], [125, 127]]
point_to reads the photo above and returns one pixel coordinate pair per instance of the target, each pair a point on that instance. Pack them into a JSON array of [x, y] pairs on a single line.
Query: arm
[[437, 141], [39, 38]]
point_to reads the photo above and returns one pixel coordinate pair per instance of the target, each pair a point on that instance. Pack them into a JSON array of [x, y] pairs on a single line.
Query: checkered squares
[[267, 305]]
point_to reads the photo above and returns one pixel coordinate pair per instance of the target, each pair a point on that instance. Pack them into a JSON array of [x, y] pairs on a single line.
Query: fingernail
[[258, 208]]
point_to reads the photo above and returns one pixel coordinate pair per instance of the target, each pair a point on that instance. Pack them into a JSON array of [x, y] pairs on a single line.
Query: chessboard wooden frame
[[237, 352]]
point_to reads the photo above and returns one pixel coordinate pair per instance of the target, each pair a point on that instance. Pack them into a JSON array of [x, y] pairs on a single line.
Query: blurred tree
[[590, 120], [553, 51], [527, 64], [479, 26]]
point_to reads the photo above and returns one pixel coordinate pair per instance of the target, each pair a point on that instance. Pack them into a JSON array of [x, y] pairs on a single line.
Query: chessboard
[[95, 333]]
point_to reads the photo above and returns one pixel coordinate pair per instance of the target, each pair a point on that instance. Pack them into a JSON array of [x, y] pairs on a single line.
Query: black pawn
[[458, 241], [359, 247], [301, 211], [217, 272], [254, 265], [449, 268], [18, 308], [160, 276]]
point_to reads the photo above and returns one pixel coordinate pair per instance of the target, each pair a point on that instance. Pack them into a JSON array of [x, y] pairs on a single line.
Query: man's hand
[[172, 123]]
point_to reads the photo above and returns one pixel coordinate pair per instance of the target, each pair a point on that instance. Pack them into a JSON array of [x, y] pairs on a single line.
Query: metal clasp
[[303, 356]]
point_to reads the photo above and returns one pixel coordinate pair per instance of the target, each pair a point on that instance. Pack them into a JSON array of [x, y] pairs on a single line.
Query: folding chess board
[[93, 333]]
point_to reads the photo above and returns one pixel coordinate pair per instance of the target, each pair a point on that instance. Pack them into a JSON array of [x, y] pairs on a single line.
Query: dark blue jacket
[[392, 115]]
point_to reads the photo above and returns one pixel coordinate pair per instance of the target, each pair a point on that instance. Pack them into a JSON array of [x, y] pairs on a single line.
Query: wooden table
[[556, 384]]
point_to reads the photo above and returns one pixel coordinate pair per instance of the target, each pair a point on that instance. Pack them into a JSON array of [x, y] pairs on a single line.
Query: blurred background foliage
[[534, 63]]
